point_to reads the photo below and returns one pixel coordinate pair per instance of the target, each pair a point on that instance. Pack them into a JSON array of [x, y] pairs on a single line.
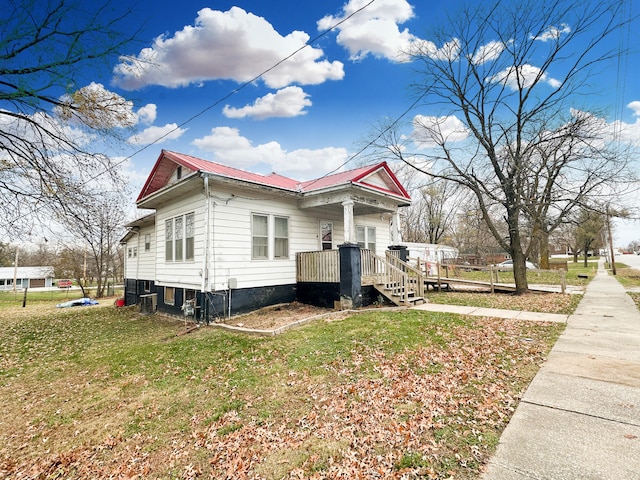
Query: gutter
[[205, 261]]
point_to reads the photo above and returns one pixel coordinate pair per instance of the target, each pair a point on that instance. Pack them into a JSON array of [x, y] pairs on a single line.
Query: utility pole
[[613, 260]]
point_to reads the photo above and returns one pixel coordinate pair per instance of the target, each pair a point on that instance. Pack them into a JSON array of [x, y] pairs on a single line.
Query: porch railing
[[322, 266], [400, 278], [411, 279]]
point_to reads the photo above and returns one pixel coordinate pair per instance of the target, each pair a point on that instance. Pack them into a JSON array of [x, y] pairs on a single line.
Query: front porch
[[390, 276]]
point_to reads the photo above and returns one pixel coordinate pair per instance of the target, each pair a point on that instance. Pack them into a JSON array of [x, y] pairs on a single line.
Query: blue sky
[[310, 114]]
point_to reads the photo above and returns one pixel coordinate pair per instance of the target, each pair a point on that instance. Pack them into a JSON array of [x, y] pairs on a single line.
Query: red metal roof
[[165, 165]]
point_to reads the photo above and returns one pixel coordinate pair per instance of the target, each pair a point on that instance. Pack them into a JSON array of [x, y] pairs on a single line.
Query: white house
[[225, 240], [25, 277]]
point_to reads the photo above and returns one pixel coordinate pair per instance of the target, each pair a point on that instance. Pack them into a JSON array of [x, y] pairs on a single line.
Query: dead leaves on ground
[[429, 412], [426, 413]]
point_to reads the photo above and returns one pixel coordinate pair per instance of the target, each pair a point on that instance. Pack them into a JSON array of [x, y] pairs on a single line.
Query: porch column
[[403, 253], [349, 225], [395, 229], [350, 276]]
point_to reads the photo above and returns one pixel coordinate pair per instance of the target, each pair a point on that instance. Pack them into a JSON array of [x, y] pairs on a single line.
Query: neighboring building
[[25, 277], [430, 255], [222, 239]]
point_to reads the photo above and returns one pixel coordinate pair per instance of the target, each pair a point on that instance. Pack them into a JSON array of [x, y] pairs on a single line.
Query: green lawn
[[573, 276], [102, 392]]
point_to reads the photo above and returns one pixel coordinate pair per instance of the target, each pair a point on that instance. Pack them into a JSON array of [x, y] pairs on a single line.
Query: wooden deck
[[405, 283]]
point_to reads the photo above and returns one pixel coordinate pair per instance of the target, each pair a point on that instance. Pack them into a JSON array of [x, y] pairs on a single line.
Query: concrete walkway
[[580, 417], [493, 312]]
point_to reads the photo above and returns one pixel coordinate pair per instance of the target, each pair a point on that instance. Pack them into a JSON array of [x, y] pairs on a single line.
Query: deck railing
[[322, 266], [400, 277], [413, 278]]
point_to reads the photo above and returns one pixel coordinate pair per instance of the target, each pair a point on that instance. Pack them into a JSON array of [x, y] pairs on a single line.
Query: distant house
[[25, 277], [224, 240]]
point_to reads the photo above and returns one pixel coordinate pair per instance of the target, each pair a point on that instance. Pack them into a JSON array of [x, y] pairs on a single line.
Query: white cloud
[[635, 106], [448, 52], [489, 52], [630, 132], [96, 106], [233, 45], [429, 132], [374, 30], [157, 134], [147, 114], [33, 129], [523, 77], [230, 148], [288, 102], [552, 33]]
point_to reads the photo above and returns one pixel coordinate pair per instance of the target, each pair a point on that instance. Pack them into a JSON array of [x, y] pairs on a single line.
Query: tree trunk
[[519, 259], [544, 250]]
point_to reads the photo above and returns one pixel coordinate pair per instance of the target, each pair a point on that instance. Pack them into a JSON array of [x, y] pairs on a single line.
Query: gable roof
[[378, 177]]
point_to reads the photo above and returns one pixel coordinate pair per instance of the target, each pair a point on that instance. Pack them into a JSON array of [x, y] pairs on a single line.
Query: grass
[[102, 392], [573, 276], [628, 277], [54, 296], [533, 302], [576, 275]]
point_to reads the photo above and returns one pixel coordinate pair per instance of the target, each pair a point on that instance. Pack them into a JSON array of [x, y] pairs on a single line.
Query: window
[[366, 237], [178, 172], [281, 236], [179, 234], [326, 235], [189, 221], [147, 242], [179, 238], [169, 295], [259, 237], [371, 238], [129, 252], [168, 240], [146, 285]]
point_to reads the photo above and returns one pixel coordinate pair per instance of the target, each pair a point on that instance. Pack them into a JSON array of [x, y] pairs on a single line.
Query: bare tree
[[51, 125], [99, 224], [509, 81], [432, 212], [471, 236]]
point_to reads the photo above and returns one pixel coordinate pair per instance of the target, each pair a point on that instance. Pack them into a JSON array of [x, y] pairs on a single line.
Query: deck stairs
[[396, 280]]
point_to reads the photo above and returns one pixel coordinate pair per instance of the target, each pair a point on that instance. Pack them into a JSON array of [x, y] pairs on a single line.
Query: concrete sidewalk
[[580, 417], [493, 312]]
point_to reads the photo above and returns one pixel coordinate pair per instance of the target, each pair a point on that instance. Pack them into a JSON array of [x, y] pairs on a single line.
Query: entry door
[[326, 235]]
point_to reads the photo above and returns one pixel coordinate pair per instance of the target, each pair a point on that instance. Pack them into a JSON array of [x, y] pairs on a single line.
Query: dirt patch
[[276, 316]]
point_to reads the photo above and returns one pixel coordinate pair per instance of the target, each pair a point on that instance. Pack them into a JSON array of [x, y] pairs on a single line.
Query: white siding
[[142, 266], [383, 230], [230, 246], [187, 273]]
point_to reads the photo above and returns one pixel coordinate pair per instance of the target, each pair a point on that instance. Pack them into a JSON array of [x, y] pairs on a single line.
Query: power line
[[249, 82], [227, 96]]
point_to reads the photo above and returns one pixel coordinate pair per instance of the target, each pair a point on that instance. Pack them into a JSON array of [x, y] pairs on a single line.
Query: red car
[[64, 283]]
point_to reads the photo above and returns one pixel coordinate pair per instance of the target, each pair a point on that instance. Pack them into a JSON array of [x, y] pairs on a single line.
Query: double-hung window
[[281, 236], [269, 237], [179, 235], [168, 240], [189, 237], [260, 237], [179, 238], [366, 237]]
